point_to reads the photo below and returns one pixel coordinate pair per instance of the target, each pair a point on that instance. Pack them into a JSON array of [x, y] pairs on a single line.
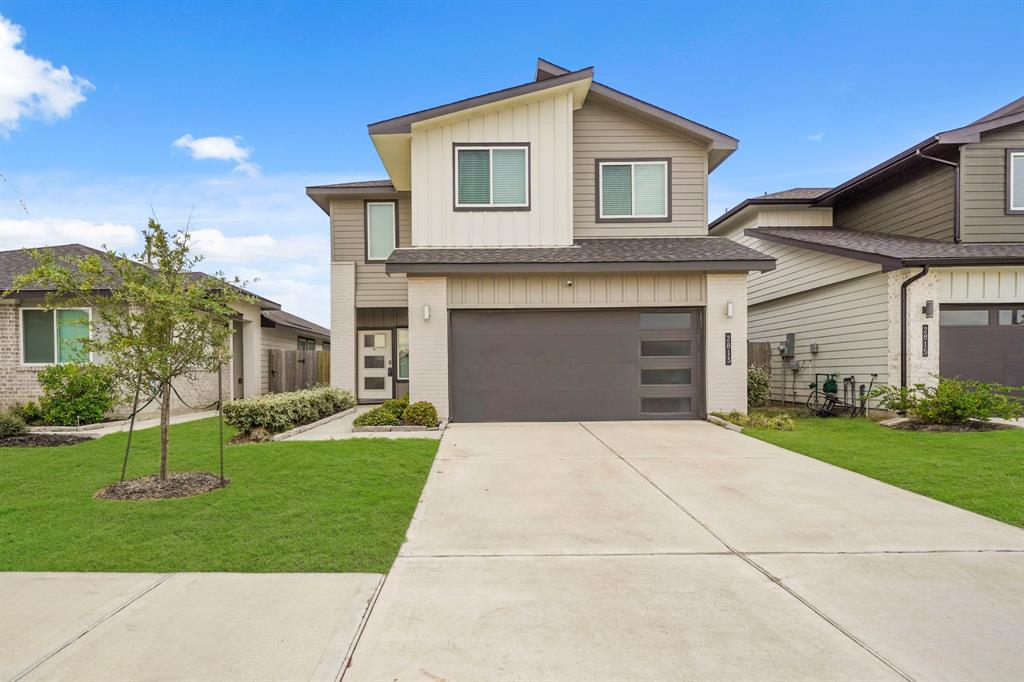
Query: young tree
[[155, 320]]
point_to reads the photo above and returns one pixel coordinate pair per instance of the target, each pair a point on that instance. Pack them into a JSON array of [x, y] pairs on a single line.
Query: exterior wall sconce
[[928, 309], [728, 309], [426, 312]]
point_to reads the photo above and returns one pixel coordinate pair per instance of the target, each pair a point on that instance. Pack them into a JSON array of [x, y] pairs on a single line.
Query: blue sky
[[816, 92]]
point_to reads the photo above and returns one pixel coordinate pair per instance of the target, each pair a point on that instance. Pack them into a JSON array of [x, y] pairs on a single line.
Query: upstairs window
[[51, 336], [1015, 180], [495, 177], [381, 229], [633, 190]]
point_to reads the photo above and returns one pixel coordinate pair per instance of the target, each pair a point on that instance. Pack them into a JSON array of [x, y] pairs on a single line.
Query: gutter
[[903, 322], [956, 192]]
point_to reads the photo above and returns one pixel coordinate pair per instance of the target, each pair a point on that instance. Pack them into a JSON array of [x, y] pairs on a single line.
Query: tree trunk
[[165, 425]]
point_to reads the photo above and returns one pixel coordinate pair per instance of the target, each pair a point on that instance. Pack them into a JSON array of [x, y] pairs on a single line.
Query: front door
[[375, 371]]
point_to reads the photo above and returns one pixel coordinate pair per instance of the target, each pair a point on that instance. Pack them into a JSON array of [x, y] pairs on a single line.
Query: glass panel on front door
[[376, 374]]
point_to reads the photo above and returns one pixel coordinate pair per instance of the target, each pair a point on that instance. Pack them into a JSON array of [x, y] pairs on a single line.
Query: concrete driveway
[[681, 551]]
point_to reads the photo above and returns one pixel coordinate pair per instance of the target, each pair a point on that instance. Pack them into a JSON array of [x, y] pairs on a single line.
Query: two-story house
[[540, 253], [911, 270]]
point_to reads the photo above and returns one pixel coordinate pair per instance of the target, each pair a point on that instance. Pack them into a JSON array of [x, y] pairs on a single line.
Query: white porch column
[[343, 326], [428, 341], [726, 384]]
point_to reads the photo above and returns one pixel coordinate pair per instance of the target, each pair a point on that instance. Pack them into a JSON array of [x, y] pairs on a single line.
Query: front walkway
[[685, 551]]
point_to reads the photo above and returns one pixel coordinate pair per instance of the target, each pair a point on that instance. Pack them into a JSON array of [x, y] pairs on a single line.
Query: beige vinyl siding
[[604, 132], [921, 206], [848, 321], [544, 123], [373, 287], [981, 285], [983, 188], [587, 290]]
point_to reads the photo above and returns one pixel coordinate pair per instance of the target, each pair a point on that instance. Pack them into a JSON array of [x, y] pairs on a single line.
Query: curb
[[410, 429], [718, 421], [285, 435]]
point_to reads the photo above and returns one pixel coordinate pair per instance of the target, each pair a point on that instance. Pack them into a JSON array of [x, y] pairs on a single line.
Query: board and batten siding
[[848, 321], [276, 339], [604, 132], [921, 206], [546, 123], [373, 286], [981, 285], [983, 188], [587, 290]]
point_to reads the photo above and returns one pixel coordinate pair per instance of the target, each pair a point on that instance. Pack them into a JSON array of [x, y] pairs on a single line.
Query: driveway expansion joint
[[753, 564]]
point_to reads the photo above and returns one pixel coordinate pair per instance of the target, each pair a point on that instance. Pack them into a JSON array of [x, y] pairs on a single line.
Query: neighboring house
[[32, 338], [540, 253], [912, 269]]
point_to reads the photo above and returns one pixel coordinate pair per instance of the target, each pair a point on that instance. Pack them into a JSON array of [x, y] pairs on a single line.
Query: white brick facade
[[343, 326], [428, 342], [726, 384], [920, 369]]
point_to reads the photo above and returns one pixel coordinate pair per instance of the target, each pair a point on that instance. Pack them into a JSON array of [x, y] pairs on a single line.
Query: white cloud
[[33, 232], [33, 87], [221, 149], [215, 245], [816, 137]]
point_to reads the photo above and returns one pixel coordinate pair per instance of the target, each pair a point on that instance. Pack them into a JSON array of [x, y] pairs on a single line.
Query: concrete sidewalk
[[103, 429], [185, 626]]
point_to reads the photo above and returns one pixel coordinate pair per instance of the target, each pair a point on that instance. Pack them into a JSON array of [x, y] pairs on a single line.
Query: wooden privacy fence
[[759, 354], [291, 370]]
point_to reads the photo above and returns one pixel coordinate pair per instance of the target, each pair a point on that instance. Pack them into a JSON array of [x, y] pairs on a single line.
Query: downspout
[[903, 322], [956, 192]]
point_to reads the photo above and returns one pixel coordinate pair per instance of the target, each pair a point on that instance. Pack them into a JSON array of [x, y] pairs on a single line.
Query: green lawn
[[298, 506], [982, 472]]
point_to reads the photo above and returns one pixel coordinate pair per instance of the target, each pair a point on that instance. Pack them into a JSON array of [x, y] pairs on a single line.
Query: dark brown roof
[[359, 184], [796, 195], [656, 253], [20, 261], [321, 194], [891, 251], [279, 318]]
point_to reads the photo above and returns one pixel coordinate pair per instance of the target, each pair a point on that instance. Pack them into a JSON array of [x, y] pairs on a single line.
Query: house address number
[[728, 348], [924, 341]]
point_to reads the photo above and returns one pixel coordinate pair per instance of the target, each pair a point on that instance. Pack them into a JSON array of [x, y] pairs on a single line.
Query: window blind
[[1017, 185], [509, 175], [616, 190], [380, 230], [474, 176], [649, 183]]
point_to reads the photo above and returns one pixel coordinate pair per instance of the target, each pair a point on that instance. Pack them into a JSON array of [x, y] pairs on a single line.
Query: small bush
[[759, 385], [11, 425], [759, 420], [76, 393], [900, 399], [29, 411], [277, 412], [396, 406], [956, 401], [421, 413], [378, 416]]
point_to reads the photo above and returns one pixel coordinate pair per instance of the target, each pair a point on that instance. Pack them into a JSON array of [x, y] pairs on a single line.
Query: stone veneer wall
[[920, 370], [726, 384]]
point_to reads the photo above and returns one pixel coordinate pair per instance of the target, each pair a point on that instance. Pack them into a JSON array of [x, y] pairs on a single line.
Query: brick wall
[[428, 342], [726, 384]]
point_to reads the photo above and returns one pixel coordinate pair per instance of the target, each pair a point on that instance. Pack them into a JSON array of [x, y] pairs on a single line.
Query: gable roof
[[796, 195], [280, 318], [20, 261], [721, 145]]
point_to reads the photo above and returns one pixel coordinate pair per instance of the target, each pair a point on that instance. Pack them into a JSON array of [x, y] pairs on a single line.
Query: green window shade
[[474, 173], [380, 230], [509, 176], [616, 190], [37, 335], [72, 329], [649, 179], [403, 354]]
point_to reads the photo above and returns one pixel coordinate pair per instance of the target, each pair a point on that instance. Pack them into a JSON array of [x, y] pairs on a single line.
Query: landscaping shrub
[[29, 412], [378, 416], [780, 421], [11, 425], [759, 385], [421, 413], [899, 399], [277, 412], [397, 405], [953, 401], [76, 393]]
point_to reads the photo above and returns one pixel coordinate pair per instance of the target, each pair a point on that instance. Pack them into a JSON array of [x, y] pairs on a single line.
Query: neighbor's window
[[381, 229], [492, 177], [1015, 181], [307, 344], [403, 354], [633, 189], [49, 336]]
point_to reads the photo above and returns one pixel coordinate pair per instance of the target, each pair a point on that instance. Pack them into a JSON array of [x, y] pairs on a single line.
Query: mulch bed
[[939, 428], [184, 484], [43, 440]]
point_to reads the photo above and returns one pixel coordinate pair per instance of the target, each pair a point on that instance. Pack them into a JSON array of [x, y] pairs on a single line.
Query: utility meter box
[[787, 349]]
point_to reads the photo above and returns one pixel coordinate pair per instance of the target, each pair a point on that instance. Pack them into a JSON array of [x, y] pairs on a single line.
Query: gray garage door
[[563, 365], [982, 342]]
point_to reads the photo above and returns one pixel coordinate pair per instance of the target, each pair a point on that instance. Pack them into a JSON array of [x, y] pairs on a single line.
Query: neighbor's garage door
[[982, 342], [563, 365]]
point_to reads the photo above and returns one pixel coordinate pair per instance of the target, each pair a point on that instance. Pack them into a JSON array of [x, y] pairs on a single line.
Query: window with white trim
[[381, 229], [1015, 181], [633, 189], [403, 354], [54, 336], [492, 176]]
